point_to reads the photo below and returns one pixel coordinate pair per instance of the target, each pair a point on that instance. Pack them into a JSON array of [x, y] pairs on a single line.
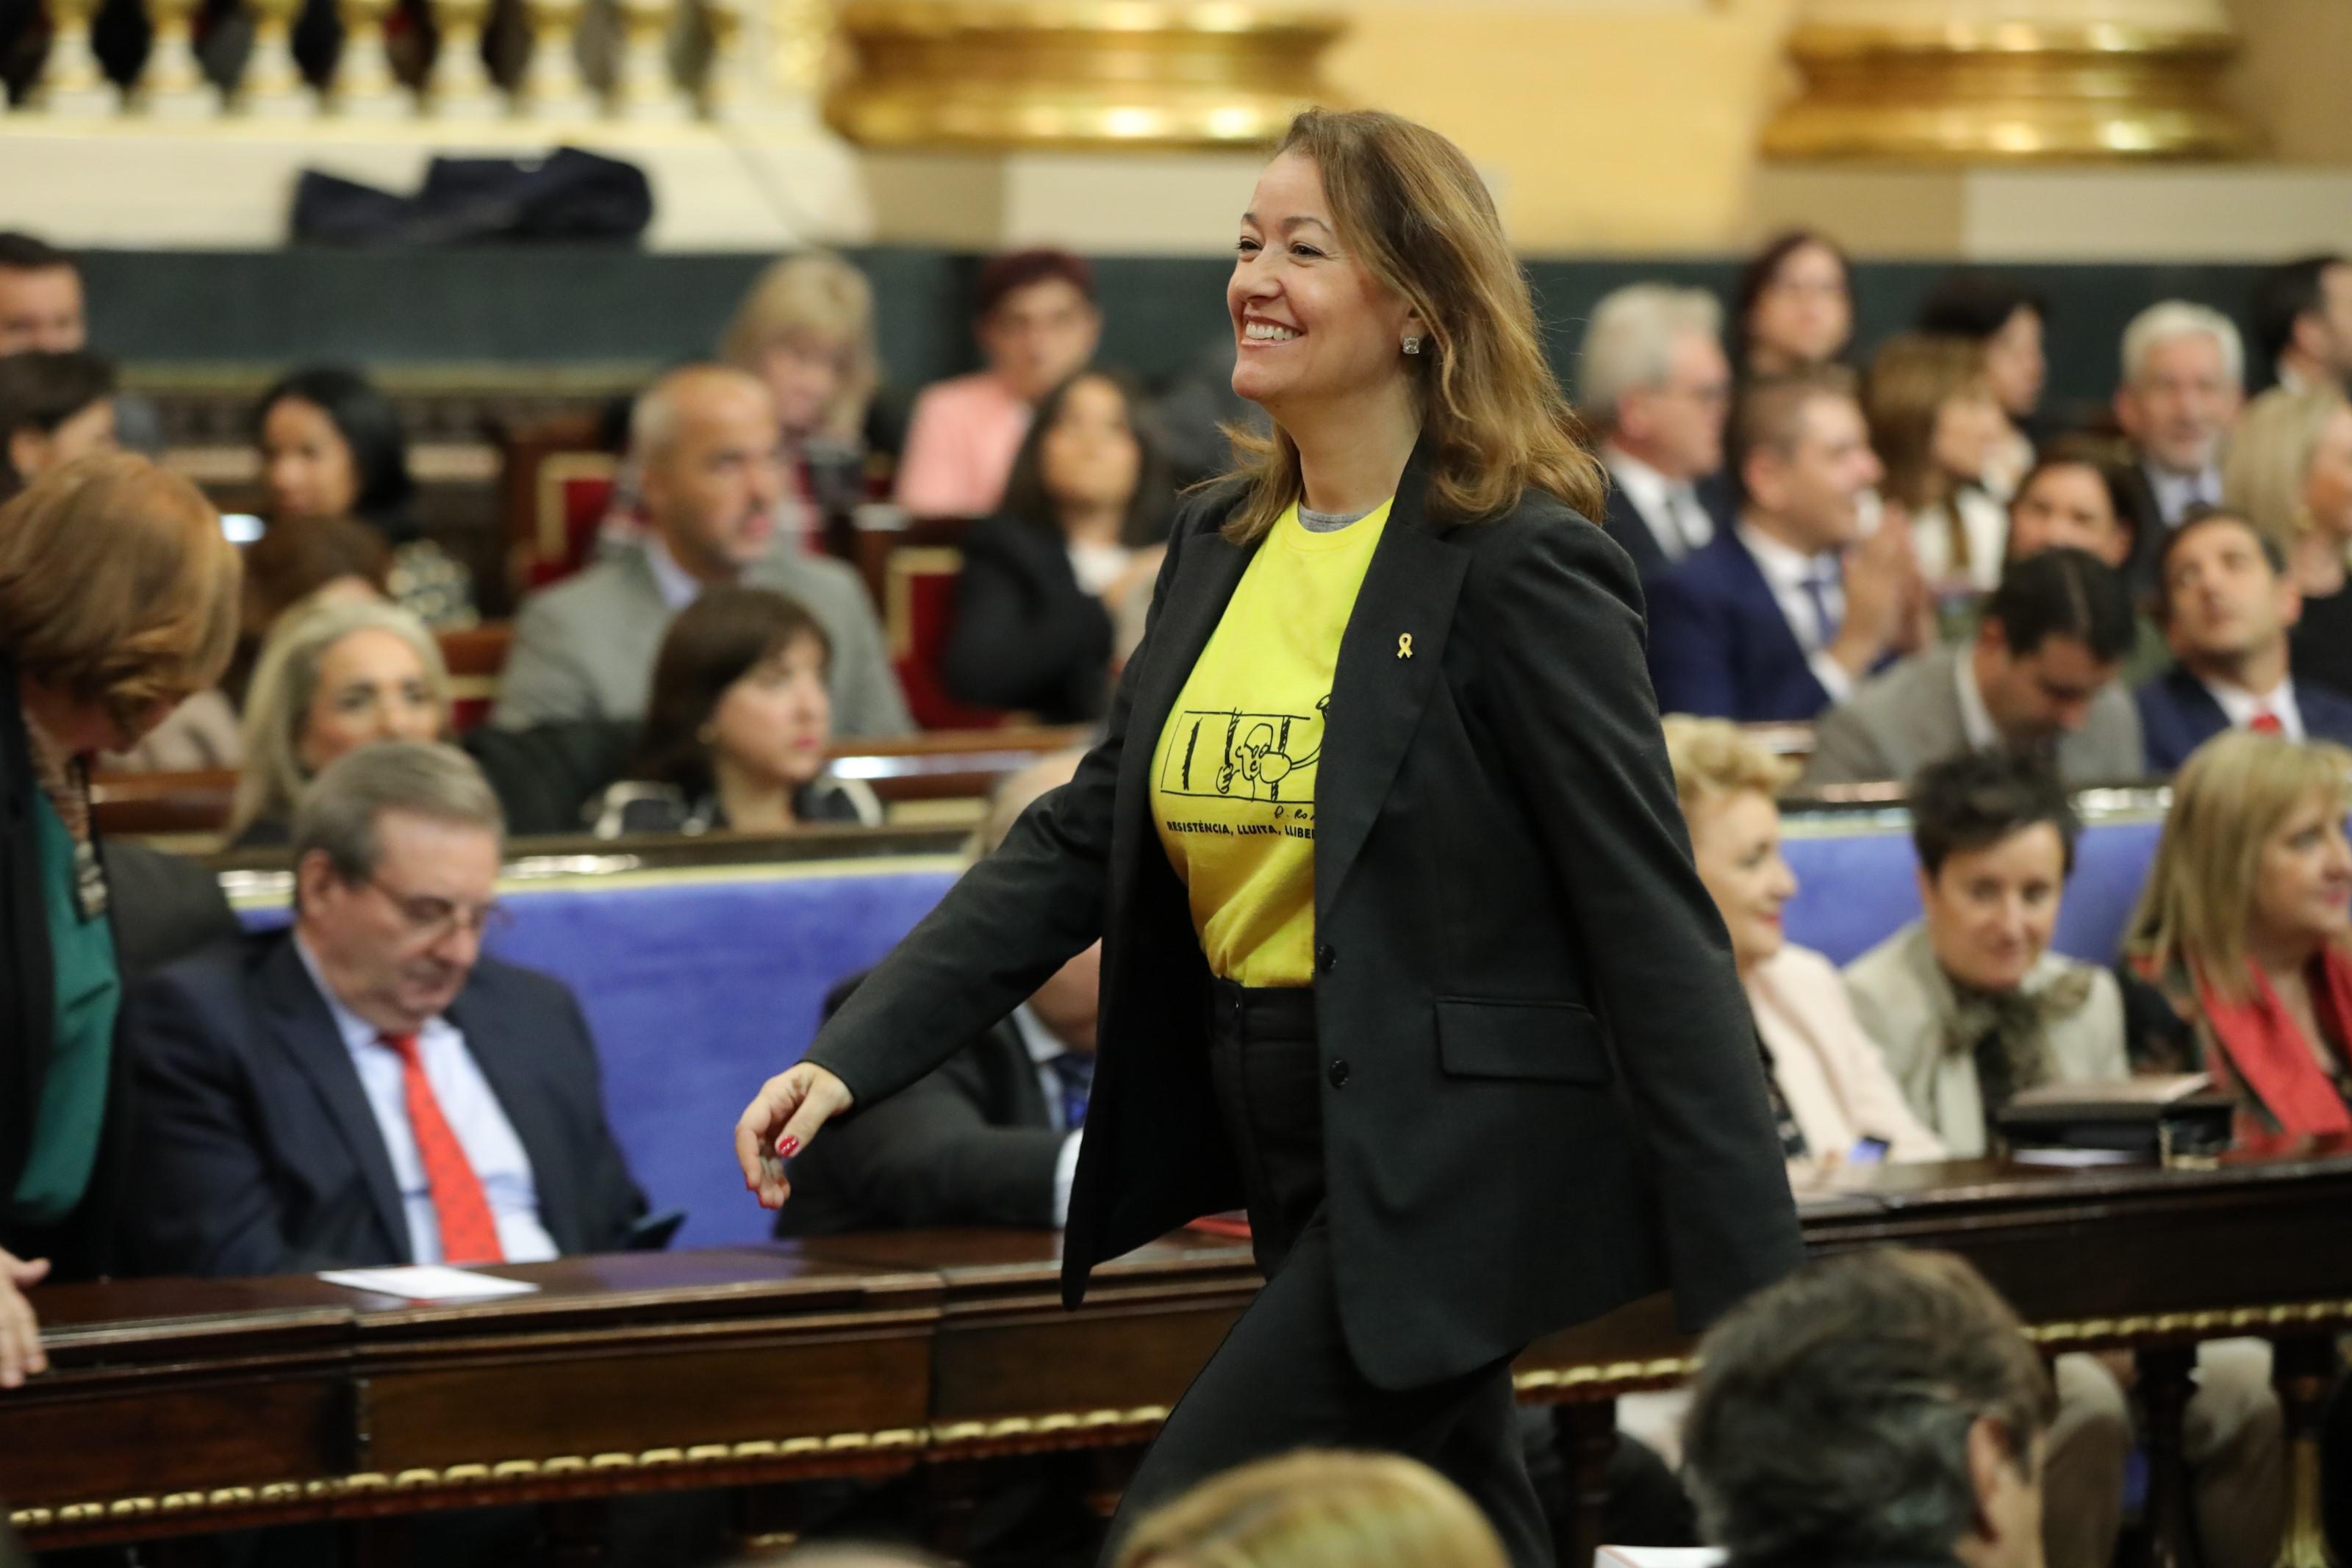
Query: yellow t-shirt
[[1233, 782]]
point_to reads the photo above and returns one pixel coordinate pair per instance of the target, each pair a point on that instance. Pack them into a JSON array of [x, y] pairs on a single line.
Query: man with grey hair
[[368, 1088], [703, 441], [2184, 369], [1653, 378]]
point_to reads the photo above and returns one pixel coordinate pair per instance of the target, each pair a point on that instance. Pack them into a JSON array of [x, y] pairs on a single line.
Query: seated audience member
[[1778, 618], [806, 331], [1653, 379], [1937, 426], [1877, 1407], [1793, 309], [2075, 497], [2289, 473], [1037, 326], [1317, 1509], [339, 673], [1969, 1002], [369, 1088], [2183, 381], [2006, 319], [1078, 537], [735, 736], [703, 440], [1829, 1083], [2242, 929], [2303, 323], [117, 596], [54, 408], [2037, 679], [42, 311], [331, 447], [2227, 606], [990, 1138]]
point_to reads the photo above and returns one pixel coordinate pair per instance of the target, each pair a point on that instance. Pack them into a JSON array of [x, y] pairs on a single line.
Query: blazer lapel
[[1207, 573], [1766, 607], [306, 1031], [503, 1055], [1382, 681]]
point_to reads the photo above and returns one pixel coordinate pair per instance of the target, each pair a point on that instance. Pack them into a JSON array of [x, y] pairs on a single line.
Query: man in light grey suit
[[2037, 679], [703, 439]]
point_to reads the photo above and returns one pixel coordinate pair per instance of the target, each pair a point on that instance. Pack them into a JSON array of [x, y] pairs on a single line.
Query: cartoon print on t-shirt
[[1236, 756]]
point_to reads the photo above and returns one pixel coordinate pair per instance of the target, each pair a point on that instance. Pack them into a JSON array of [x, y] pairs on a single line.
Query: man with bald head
[[703, 440]]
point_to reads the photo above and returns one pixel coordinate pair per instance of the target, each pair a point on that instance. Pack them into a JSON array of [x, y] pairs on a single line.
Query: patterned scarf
[[61, 777], [2008, 1032]]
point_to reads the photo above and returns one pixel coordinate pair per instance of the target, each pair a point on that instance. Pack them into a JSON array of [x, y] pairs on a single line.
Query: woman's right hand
[[20, 1330], [782, 1121]]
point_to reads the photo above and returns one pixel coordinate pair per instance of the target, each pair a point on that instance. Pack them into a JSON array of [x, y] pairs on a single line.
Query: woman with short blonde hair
[[1318, 1510], [118, 598], [337, 672], [2244, 927], [2289, 473], [806, 329], [1422, 973]]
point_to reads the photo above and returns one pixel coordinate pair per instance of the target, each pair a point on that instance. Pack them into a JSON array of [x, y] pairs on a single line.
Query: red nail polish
[[787, 1146]]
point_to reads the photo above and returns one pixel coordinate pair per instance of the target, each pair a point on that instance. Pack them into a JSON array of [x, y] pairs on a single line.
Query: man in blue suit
[[1778, 618], [2227, 604]]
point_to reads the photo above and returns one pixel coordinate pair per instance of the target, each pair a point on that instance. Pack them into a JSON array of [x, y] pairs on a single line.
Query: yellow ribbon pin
[[1404, 646]]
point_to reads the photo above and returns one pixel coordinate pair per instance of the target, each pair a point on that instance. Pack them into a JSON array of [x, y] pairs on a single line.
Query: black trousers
[[1284, 1378]]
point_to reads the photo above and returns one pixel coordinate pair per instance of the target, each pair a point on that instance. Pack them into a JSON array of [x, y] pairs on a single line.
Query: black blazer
[[1543, 1096], [970, 1142], [261, 1155], [1025, 634]]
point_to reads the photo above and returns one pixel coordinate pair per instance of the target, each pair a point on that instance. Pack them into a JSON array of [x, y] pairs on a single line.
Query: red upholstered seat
[[475, 657], [574, 491], [919, 602]]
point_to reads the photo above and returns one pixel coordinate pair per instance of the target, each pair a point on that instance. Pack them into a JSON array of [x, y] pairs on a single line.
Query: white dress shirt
[[1984, 523], [1670, 511], [2240, 706], [679, 587], [2176, 493], [473, 1114], [1043, 1048], [1787, 570]]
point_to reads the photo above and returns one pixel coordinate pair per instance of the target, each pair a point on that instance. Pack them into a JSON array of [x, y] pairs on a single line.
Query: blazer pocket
[[1559, 1041]]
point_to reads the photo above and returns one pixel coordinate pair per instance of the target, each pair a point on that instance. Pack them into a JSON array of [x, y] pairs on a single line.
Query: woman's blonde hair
[[1714, 758], [2228, 800], [1318, 1510], [1911, 379], [1410, 206], [286, 681], [117, 585], [2270, 460], [817, 296]]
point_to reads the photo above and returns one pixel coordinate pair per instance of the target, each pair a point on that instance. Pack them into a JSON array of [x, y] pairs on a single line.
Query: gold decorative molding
[[1005, 74], [2010, 81]]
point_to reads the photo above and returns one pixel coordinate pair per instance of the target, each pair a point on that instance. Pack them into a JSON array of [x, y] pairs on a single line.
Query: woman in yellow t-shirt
[[1386, 858]]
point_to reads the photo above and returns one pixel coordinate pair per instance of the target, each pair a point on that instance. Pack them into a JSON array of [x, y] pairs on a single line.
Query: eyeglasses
[[432, 919]]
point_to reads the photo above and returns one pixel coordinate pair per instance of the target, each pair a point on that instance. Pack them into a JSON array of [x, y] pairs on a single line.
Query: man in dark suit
[[366, 1087], [2227, 606], [2303, 322], [1653, 380], [1785, 612], [992, 1136], [2184, 382]]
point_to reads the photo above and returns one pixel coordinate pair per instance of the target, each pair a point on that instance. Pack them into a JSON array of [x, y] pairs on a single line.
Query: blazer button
[[1325, 957], [1339, 1074]]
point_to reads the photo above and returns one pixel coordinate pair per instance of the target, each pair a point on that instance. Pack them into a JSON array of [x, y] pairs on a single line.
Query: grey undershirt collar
[[1329, 522]]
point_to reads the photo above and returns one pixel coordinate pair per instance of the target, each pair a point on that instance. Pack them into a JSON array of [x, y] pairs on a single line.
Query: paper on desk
[[425, 1282]]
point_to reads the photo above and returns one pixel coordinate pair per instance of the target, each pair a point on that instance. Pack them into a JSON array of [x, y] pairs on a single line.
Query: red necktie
[[468, 1234], [2266, 722]]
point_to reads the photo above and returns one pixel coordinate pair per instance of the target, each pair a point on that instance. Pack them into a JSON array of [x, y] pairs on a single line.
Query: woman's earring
[[1412, 345]]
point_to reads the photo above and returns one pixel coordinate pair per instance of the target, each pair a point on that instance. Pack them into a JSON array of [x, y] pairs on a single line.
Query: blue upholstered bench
[[702, 983]]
